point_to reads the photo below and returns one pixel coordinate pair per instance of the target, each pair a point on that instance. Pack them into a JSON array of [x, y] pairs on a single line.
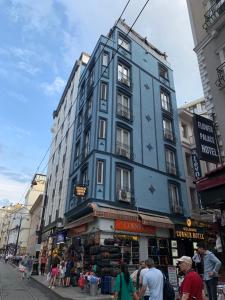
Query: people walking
[[211, 268], [24, 264], [43, 262], [142, 273], [153, 280], [29, 266], [124, 289], [192, 285]]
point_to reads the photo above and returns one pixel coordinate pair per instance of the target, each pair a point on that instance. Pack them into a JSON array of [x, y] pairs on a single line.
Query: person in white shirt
[[153, 279], [142, 273]]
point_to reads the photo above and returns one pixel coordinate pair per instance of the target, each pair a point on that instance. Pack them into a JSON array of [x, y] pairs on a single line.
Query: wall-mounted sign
[[133, 226], [185, 232], [205, 139], [196, 164], [60, 237], [189, 222], [80, 190]]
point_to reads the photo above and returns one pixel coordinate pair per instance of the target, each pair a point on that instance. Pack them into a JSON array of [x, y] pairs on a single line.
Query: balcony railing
[[214, 13], [168, 134], [123, 111], [220, 82], [124, 78], [123, 150], [171, 168]]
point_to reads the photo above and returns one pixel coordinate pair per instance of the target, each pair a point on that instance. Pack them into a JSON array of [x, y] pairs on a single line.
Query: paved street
[[12, 287]]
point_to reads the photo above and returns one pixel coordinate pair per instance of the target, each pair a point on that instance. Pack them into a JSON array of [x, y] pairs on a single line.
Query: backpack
[[168, 291]]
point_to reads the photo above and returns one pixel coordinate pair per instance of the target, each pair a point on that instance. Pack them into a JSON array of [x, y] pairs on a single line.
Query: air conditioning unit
[[123, 152], [124, 196], [125, 114]]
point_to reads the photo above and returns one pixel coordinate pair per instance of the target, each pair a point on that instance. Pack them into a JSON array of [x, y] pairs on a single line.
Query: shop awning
[[112, 213], [84, 220], [157, 221]]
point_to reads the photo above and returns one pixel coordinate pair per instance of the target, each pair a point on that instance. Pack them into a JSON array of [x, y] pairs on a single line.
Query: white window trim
[[102, 129]]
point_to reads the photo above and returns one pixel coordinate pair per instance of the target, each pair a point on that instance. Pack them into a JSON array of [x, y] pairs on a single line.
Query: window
[[86, 143], [175, 199], [62, 127], [171, 162], [91, 78], [125, 44], [163, 72], [59, 148], [89, 106], [104, 91], [105, 59], [123, 179], [194, 200], [102, 129], [60, 187], [165, 101], [124, 74], [123, 142], [77, 150], [82, 90], [168, 129], [100, 172], [84, 176], [123, 105], [79, 120], [189, 164], [184, 130]]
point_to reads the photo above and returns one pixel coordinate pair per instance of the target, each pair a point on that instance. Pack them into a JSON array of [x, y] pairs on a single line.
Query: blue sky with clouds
[[40, 41]]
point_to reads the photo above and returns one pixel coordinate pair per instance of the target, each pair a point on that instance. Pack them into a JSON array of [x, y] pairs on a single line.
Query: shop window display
[[158, 250]]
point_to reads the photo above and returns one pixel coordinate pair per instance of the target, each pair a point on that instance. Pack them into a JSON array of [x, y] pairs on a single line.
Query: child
[[54, 274], [62, 270]]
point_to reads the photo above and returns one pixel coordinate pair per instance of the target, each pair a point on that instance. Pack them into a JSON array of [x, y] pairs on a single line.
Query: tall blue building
[[127, 150]]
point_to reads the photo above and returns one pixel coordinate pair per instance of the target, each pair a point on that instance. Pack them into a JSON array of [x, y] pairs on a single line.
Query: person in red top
[[192, 286]]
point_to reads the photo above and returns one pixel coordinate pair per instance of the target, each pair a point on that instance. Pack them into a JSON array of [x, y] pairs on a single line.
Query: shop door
[[185, 247]]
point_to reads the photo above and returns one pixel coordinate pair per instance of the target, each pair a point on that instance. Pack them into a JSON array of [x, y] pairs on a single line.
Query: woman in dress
[[124, 288]]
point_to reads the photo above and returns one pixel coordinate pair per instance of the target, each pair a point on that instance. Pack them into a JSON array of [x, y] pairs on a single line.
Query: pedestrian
[[192, 286], [211, 268], [24, 264], [141, 266], [62, 270], [153, 280], [29, 266], [124, 289], [69, 267], [142, 273], [197, 262], [54, 274], [43, 262]]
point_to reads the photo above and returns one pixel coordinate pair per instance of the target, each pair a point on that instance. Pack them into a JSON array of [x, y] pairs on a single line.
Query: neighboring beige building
[[207, 19], [34, 242], [6, 225], [187, 139]]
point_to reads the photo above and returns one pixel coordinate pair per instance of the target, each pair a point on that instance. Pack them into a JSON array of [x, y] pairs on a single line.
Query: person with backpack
[[153, 279], [192, 285], [212, 266], [124, 289]]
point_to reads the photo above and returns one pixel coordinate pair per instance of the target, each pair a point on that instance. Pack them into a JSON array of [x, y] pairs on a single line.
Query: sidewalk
[[70, 292]]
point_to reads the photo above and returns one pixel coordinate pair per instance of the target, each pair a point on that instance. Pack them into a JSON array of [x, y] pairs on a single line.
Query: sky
[[39, 43]]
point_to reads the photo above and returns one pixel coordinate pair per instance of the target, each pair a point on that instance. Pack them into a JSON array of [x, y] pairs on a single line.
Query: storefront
[[109, 235]]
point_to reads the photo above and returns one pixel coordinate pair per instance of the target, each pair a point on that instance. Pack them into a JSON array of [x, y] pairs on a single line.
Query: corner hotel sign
[[188, 232]]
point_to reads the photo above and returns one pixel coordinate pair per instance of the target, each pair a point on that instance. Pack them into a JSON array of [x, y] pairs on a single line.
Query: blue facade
[[126, 145]]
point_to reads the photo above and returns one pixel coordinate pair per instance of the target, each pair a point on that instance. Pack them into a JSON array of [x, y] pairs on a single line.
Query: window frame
[[122, 77], [165, 103], [120, 103], [171, 165], [104, 91], [122, 170], [124, 43], [168, 133], [177, 203], [102, 128], [100, 170], [104, 55]]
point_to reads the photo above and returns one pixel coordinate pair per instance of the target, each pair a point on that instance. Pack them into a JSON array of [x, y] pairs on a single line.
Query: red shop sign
[[133, 226]]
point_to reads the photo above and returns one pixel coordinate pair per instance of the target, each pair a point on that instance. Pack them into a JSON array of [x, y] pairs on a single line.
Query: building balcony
[[220, 82], [124, 111], [214, 14], [168, 134], [171, 168], [124, 150]]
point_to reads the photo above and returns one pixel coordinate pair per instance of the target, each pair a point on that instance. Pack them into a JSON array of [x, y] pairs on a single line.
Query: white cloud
[[55, 87], [12, 189]]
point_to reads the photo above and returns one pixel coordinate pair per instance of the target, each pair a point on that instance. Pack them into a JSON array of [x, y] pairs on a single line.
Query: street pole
[[17, 240]]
